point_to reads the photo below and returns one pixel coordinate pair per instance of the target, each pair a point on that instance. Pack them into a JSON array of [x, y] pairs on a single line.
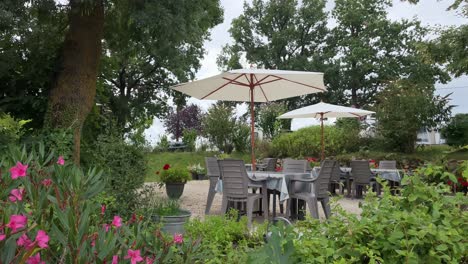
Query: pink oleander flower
[[42, 239], [134, 256], [16, 195], [106, 227], [46, 182], [2, 237], [60, 160], [24, 241], [117, 222], [178, 239], [17, 222], [36, 259], [18, 171], [103, 209], [149, 260], [115, 259]]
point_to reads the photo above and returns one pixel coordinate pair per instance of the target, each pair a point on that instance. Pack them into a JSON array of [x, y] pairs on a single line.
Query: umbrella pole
[[323, 146], [252, 126]]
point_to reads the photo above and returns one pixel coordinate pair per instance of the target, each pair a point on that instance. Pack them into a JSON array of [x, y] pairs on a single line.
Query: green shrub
[[189, 138], [423, 225], [11, 130], [225, 240], [124, 168], [306, 142], [456, 131], [241, 137]]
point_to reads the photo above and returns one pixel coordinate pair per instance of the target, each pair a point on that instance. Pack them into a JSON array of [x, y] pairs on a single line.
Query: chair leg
[[312, 203], [288, 208], [326, 206], [209, 201], [280, 204], [250, 203], [224, 205]]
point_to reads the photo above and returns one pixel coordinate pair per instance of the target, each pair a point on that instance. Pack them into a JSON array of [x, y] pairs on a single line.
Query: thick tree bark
[[72, 96]]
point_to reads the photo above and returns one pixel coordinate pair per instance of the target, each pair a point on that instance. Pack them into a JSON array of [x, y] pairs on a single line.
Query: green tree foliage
[[149, 46], [54, 47], [267, 119], [11, 130], [371, 50], [359, 55], [241, 137], [404, 108], [285, 35], [31, 34], [219, 125], [456, 131]]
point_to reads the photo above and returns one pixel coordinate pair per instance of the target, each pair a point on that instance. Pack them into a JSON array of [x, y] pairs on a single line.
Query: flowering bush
[[196, 168], [48, 214]]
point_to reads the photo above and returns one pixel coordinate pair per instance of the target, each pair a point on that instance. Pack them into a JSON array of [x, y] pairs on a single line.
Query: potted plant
[[197, 171], [168, 213], [174, 179]]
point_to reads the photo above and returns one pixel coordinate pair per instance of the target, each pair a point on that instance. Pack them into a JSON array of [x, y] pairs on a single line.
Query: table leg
[[264, 201]]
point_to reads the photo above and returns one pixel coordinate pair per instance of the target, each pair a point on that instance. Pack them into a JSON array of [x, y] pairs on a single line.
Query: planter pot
[[194, 175], [174, 190], [201, 177], [173, 224]]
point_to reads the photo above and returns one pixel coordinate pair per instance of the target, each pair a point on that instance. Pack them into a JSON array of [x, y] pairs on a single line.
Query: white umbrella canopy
[[324, 110], [254, 85]]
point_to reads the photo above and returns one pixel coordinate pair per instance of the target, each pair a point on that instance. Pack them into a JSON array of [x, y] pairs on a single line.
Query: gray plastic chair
[[268, 164], [296, 166], [213, 173], [235, 186], [361, 176], [319, 191]]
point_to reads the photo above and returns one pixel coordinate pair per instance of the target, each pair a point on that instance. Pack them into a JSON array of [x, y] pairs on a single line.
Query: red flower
[[463, 182], [310, 159], [279, 169], [166, 166]]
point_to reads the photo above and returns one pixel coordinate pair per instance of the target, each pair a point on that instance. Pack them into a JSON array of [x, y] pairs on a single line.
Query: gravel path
[[196, 192]]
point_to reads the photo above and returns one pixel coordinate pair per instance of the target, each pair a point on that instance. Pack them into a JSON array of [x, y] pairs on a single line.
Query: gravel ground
[[196, 192]]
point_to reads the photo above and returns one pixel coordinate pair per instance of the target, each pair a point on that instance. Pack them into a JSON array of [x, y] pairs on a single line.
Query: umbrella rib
[[222, 86], [261, 89], [261, 79], [235, 82], [270, 81], [311, 86]]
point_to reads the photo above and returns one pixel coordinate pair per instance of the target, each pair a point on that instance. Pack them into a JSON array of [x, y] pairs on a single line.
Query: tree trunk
[[72, 95]]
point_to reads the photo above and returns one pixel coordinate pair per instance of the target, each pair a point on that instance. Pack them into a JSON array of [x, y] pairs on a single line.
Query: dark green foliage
[[456, 131], [124, 168], [306, 142], [404, 108]]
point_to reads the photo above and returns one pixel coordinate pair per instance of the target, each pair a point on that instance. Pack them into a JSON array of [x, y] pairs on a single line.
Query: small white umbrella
[[254, 85], [324, 110]]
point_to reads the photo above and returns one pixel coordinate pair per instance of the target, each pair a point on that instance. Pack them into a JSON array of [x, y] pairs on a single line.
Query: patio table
[[387, 174]]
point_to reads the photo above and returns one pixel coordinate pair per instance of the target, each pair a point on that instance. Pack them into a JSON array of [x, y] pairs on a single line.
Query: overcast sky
[[429, 12]]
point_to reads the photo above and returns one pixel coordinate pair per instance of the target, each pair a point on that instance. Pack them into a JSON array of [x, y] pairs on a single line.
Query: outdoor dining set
[[296, 184]]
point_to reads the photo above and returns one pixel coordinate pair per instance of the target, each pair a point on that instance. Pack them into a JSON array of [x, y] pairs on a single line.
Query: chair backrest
[[235, 178], [291, 165], [336, 172], [212, 167], [270, 163], [323, 180], [360, 171], [387, 164]]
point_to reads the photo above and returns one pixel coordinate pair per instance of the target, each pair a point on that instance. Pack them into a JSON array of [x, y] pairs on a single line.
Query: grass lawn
[[180, 159]]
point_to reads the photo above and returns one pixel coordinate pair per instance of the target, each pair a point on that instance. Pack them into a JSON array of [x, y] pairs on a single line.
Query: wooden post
[[252, 123], [323, 145]]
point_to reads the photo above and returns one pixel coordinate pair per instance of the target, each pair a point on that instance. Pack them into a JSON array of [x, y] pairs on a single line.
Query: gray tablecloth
[[387, 174]]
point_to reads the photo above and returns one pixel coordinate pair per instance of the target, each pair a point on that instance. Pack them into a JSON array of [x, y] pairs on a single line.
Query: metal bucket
[[173, 224]]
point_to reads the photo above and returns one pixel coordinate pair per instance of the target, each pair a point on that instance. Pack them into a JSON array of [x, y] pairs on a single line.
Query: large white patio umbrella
[[254, 85], [324, 110]]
